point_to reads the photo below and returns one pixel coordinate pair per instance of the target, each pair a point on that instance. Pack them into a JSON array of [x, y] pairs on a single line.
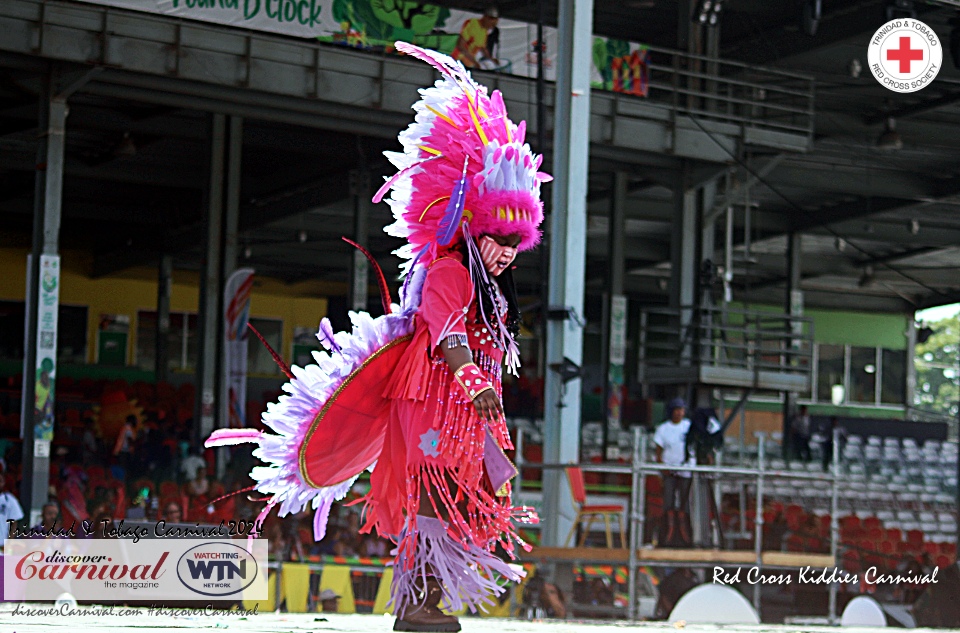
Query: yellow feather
[[442, 116], [429, 206], [476, 123]]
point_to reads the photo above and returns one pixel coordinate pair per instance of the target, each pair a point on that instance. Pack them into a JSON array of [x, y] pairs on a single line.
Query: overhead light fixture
[[889, 140], [707, 12], [302, 236], [840, 244], [855, 68], [914, 226], [247, 252]]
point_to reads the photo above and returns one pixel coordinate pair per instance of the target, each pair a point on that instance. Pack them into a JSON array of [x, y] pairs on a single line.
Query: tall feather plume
[[450, 222], [441, 62], [276, 357], [381, 280]]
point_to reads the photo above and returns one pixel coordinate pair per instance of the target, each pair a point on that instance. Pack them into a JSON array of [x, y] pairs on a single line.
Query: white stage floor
[[89, 620]]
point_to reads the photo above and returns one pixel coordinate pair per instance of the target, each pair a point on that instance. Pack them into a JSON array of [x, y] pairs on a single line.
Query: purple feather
[[325, 336], [451, 217], [320, 518]]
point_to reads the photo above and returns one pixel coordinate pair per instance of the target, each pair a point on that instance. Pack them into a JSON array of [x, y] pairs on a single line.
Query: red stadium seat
[[871, 523], [915, 538]]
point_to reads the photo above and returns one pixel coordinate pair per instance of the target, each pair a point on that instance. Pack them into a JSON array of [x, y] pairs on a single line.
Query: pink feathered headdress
[[463, 161]]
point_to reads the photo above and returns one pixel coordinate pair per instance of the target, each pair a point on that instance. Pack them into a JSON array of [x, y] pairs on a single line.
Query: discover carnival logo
[[124, 569], [217, 569], [905, 55]]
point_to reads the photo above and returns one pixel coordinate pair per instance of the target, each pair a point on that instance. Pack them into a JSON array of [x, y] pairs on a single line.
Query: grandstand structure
[[760, 221]]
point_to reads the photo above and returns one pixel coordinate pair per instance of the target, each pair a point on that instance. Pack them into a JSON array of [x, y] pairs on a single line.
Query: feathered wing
[[298, 423]]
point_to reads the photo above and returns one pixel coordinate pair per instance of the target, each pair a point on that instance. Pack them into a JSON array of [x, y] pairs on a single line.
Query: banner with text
[[510, 47], [236, 315], [126, 570]]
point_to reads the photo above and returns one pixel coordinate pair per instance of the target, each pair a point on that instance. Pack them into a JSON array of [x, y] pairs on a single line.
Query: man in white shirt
[[670, 439], [191, 465]]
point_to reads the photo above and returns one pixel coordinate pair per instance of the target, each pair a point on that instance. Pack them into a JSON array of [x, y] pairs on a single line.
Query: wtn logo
[[217, 569], [224, 568]]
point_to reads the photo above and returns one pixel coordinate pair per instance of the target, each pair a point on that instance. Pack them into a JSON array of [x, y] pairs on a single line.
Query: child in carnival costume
[[414, 396]]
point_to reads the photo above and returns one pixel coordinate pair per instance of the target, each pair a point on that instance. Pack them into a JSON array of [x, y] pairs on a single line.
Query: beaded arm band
[[456, 340], [470, 379]]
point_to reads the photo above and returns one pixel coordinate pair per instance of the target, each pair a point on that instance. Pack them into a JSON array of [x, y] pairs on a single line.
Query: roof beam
[[840, 21], [924, 105], [253, 215]]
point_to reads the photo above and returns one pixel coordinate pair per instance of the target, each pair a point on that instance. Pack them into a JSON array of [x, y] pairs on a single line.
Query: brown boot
[[427, 617]]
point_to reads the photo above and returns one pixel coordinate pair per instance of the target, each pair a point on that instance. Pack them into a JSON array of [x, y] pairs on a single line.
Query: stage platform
[[692, 557], [150, 622]]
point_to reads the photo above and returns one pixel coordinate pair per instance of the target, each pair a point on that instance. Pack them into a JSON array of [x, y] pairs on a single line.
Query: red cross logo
[[905, 54]]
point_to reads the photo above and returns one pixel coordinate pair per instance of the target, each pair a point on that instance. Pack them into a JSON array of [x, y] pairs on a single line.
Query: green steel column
[[568, 229], [211, 287], [42, 306], [793, 305], [162, 347]]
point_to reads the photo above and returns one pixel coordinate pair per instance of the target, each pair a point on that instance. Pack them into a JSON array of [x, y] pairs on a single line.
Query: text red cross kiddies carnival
[[905, 54]]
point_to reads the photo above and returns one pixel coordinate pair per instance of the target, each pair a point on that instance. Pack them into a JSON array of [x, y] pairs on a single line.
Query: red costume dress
[[435, 435], [383, 398]]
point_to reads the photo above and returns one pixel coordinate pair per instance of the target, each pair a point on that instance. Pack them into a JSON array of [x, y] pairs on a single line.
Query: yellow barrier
[[270, 603], [337, 578], [383, 592], [295, 589], [296, 586]]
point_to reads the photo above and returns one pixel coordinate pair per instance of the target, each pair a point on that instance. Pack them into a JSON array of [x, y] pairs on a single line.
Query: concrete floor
[[89, 620]]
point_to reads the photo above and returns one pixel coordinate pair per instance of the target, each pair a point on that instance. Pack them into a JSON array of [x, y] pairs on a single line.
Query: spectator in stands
[[284, 546], [828, 441], [543, 599], [172, 512], [670, 439], [73, 498], [800, 434], [89, 445], [123, 448], [472, 46], [155, 452], [199, 486], [350, 539], [10, 510], [49, 515], [329, 601], [101, 514], [190, 464], [374, 547]]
